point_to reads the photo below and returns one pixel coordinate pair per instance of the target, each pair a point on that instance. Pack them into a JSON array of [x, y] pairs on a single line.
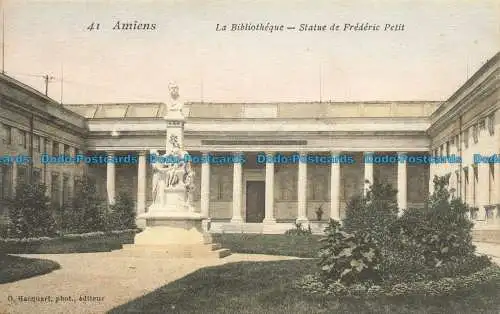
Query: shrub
[[299, 230], [348, 257], [122, 213], [441, 231], [87, 213], [488, 277], [374, 213], [30, 214]]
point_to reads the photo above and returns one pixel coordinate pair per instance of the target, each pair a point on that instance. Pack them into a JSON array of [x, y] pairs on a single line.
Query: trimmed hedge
[[70, 243], [489, 276]]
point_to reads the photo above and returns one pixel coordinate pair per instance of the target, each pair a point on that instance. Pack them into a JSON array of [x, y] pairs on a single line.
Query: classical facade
[[260, 196]]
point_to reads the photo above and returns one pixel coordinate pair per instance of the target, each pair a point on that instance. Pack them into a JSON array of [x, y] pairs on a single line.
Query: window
[[37, 175], [466, 183], [46, 146], [22, 174], [5, 181], [36, 143], [8, 135], [66, 190], [54, 189], [22, 138], [482, 125], [475, 133], [491, 124], [466, 138], [55, 148], [447, 149]]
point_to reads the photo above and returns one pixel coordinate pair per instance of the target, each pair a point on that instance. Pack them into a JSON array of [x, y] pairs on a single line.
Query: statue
[[176, 103]]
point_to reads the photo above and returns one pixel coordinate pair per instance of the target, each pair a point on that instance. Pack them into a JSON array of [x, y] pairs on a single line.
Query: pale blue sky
[[442, 41]]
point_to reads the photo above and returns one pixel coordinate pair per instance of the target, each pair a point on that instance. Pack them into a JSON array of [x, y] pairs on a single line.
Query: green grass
[[269, 287], [271, 244], [14, 268]]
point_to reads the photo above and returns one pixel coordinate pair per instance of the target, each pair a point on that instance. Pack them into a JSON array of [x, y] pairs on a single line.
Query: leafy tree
[[87, 213], [373, 213], [348, 257], [441, 231], [123, 213], [30, 214]]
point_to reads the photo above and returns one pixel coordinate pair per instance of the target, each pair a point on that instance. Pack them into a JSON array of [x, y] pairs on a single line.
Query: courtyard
[[240, 283]]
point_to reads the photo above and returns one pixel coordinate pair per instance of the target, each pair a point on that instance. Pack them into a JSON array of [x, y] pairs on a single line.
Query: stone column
[[402, 183], [302, 189], [335, 189], [141, 183], [110, 179], [237, 190], [368, 171], [269, 215], [205, 187]]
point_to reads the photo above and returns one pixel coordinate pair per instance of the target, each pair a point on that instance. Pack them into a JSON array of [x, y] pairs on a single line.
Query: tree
[[123, 213], [30, 214]]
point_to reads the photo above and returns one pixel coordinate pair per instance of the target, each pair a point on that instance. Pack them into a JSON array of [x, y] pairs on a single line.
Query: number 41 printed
[[93, 26]]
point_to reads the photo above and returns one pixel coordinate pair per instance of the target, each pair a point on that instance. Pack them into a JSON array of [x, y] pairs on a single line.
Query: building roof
[[285, 110]]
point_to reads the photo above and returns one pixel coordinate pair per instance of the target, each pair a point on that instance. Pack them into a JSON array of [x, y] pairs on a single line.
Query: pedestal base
[[175, 234]]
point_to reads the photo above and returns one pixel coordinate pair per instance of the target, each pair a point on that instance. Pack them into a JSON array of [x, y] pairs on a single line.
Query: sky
[[442, 44]]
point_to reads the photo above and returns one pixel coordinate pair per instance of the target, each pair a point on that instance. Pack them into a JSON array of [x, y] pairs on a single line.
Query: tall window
[[55, 188], [22, 174], [466, 138], [491, 182], [5, 181], [55, 148], [37, 175], [66, 190], [474, 185], [466, 184], [491, 124], [475, 133], [8, 134]]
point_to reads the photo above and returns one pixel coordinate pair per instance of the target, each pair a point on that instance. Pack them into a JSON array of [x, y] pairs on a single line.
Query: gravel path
[[98, 282]]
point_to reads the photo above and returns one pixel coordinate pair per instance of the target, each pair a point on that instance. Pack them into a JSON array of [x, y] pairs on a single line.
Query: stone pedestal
[[172, 227]]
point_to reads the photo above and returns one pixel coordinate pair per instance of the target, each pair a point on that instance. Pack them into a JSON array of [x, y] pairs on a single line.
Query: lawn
[[268, 287], [271, 244], [14, 268]]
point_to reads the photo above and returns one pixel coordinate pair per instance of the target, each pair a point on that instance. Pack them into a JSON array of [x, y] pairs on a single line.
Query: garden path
[[107, 279]]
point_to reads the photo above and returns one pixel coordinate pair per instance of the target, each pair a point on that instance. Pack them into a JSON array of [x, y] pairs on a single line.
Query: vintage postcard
[[250, 156]]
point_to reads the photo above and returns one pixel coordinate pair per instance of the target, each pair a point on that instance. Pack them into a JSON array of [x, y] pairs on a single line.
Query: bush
[[374, 213], [441, 231], [487, 277], [122, 213], [299, 230], [88, 213], [30, 214], [348, 258]]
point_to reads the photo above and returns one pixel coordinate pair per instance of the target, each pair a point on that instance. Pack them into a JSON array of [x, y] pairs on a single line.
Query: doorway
[[255, 201]]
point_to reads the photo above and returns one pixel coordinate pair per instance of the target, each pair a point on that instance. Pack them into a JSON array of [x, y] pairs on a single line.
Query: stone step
[[214, 250]]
